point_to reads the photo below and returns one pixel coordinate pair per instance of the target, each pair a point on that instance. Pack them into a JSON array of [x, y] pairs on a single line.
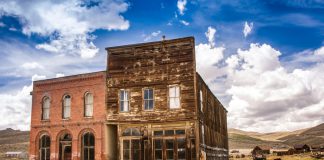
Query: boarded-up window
[[88, 146], [66, 106], [44, 147], [45, 108], [123, 100], [148, 99], [88, 107], [174, 97]]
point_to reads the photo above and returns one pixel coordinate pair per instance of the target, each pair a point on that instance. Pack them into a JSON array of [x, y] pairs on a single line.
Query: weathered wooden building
[[150, 104], [158, 107]]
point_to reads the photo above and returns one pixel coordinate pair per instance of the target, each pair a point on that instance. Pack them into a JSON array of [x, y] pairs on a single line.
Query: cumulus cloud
[[68, 24], [247, 28], [319, 51], [152, 35], [207, 55], [263, 93], [182, 6], [15, 108], [184, 22], [259, 91]]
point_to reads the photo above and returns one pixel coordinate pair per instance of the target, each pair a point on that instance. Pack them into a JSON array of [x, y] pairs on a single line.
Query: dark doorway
[[65, 147]]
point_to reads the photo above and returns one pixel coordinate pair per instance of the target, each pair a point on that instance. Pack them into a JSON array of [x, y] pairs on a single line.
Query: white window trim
[[120, 100], [86, 103], [169, 97], [153, 99], [64, 108]]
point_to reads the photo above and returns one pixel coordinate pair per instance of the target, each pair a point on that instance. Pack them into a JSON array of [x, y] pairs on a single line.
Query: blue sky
[[272, 48]]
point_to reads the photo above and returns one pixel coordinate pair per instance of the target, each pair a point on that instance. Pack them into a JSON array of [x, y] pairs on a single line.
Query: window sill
[[66, 119], [88, 117], [45, 120]]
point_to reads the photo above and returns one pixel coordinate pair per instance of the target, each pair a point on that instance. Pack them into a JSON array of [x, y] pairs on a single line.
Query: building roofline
[[68, 77], [149, 43]]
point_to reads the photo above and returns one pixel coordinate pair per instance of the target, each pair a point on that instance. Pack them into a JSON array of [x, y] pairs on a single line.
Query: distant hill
[[311, 136], [13, 140]]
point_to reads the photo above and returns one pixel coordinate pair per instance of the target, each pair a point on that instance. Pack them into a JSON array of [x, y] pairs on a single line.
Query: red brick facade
[[75, 86]]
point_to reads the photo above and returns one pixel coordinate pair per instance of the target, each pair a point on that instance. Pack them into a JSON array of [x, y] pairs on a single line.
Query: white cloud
[[13, 29], [32, 65], [319, 51], [152, 35], [184, 22], [69, 24], [207, 55], [182, 6], [15, 108], [59, 75], [210, 34], [247, 28]]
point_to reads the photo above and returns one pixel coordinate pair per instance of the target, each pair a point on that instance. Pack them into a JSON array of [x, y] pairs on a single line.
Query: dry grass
[[288, 157]]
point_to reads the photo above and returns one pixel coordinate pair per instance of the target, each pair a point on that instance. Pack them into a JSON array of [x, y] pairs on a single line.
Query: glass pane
[[136, 154], [126, 144], [177, 102], [158, 144], [127, 132], [122, 92], [43, 155], [169, 132], [181, 148], [92, 140], [193, 149], [177, 91], [146, 105], [85, 154], [136, 132], [136, 144], [169, 154], [180, 131], [151, 104], [91, 154], [146, 94], [158, 133], [169, 144], [126, 155], [150, 94], [48, 154], [172, 92], [122, 106], [125, 106], [47, 141], [86, 139], [158, 154]]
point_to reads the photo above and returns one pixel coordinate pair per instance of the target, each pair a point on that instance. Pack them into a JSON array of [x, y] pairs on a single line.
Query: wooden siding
[[152, 65]]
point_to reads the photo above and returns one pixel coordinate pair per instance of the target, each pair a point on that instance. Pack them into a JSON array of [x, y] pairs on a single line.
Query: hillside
[[311, 136], [13, 140]]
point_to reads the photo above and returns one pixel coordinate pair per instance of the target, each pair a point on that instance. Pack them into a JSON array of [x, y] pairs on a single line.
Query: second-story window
[[46, 108], [123, 100], [66, 106], [174, 96], [148, 99], [88, 105], [201, 101]]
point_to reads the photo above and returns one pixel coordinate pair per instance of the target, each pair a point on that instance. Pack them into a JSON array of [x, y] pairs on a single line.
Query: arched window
[[46, 108], [44, 147], [66, 106], [88, 105], [88, 146]]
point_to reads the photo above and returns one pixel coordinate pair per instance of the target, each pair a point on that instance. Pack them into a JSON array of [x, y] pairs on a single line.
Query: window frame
[[85, 105], [143, 98], [179, 97], [83, 147], [119, 100], [64, 107], [43, 108], [46, 148]]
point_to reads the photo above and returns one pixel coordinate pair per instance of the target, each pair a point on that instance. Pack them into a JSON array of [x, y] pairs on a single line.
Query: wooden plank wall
[[156, 65], [213, 117]]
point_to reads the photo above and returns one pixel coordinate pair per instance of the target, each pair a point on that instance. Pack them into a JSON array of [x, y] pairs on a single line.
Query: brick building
[[149, 104]]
